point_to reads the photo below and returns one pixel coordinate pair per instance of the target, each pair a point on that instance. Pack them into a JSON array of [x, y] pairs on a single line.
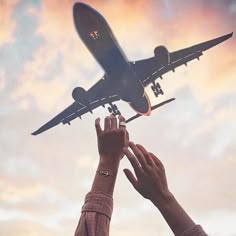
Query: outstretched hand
[[112, 139], [150, 180]]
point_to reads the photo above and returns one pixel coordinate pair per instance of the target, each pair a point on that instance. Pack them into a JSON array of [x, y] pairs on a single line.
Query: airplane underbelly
[[133, 89], [112, 61]]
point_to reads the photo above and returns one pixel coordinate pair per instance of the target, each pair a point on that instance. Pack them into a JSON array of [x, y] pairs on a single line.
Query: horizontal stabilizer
[[152, 108]]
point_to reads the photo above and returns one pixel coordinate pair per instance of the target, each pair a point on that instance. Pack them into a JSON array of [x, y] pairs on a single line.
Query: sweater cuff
[[196, 230], [98, 202]]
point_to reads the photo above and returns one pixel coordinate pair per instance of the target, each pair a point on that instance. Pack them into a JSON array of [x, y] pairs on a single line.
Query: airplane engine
[[79, 94], [162, 55]]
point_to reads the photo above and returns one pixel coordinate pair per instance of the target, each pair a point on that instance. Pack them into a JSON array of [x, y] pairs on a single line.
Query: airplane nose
[[85, 18], [81, 11], [80, 7], [80, 14]]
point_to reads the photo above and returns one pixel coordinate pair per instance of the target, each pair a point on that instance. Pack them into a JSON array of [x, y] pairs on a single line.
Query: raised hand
[[151, 183], [150, 180], [111, 142], [112, 139]]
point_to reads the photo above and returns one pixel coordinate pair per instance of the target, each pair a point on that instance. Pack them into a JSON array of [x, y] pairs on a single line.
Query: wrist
[[164, 201], [105, 176], [112, 161], [111, 167]]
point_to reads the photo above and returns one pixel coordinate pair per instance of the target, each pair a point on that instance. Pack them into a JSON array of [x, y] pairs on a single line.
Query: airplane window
[[94, 34]]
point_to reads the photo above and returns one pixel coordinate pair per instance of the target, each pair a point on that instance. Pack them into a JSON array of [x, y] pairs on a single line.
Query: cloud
[[2, 79], [48, 78], [25, 228], [14, 193], [7, 23], [45, 81], [44, 179], [211, 190], [219, 222], [29, 185]]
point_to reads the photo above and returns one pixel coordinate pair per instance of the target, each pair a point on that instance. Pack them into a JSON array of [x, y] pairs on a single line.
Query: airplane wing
[[98, 95], [147, 69]]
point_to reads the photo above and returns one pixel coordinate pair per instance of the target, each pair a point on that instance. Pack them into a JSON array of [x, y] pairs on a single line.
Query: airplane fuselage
[[101, 42]]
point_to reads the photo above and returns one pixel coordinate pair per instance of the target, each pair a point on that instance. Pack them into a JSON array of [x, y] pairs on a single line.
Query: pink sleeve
[[96, 215], [196, 230]]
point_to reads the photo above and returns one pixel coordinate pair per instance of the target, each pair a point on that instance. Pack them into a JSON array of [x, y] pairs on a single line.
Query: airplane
[[123, 79]]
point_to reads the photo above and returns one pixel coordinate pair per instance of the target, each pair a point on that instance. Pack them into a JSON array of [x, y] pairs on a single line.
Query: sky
[[44, 179]]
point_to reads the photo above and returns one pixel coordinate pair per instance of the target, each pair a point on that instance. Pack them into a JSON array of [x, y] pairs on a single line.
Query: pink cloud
[[13, 192], [7, 23], [26, 227]]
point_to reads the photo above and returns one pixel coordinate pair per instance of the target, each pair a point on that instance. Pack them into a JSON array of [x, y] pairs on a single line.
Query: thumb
[[131, 178]]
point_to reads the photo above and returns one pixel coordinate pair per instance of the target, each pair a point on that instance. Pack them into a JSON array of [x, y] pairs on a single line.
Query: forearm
[[175, 216], [97, 209]]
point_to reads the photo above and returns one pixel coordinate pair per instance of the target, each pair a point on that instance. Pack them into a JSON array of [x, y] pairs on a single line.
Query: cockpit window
[[94, 34]]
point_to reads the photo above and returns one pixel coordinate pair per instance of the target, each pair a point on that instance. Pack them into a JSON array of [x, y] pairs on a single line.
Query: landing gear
[[156, 88], [113, 109]]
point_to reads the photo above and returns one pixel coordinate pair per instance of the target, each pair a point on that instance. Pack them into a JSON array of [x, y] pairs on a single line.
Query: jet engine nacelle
[[162, 55], [79, 94]]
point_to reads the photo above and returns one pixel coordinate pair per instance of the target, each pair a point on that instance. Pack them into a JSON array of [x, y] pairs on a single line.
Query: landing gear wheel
[[110, 110], [156, 88], [118, 113], [113, 109]]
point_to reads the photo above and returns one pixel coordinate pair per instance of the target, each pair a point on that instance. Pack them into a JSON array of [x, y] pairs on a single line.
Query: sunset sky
[[43, 179]]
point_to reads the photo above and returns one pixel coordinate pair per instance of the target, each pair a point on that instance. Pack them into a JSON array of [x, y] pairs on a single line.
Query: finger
[[157, 162], [139, 155], [123, 128], [107, 123], [127, 139], [98, 126], [146, 154], [113, 122], [131, 178], [122, 124], [133, 161]]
